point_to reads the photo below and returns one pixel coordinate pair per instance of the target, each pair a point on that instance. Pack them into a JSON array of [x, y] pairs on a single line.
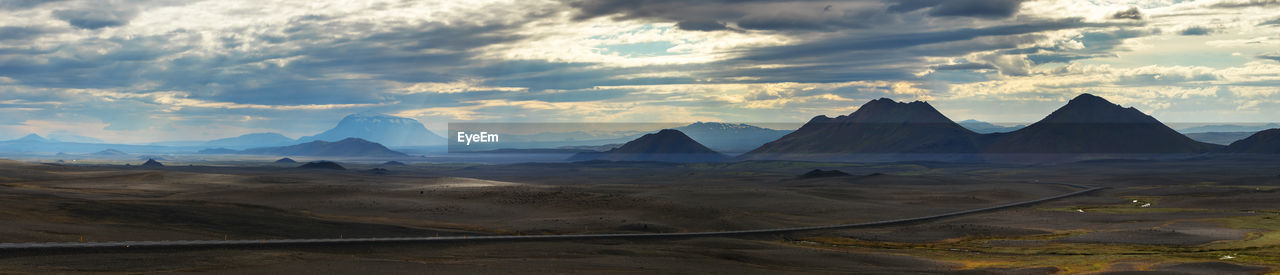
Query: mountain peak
[[32, 137], [886, 110], [1088, 108]]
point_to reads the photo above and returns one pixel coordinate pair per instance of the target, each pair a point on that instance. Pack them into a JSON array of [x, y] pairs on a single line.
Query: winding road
[[286, 242]]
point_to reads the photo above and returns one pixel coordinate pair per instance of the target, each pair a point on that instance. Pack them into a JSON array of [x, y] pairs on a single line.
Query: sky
[[136, 71]]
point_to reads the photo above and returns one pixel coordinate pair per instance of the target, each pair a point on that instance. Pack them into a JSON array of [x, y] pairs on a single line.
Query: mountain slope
[[667, 146], [380, 128], [1091, 124], [879, 126], [31, 138], [251, 141], [350, 147], [1264, 142], [727, 137]]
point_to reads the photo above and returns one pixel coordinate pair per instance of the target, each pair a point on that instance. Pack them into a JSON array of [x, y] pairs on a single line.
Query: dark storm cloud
[[964, 67], [96, 18], [1270, 22], [1196, 30], [1132, 13], [968, 8], [1247, 4], [24, 4], [745, 14], [1273, 56], [864, 42], [8, 33]]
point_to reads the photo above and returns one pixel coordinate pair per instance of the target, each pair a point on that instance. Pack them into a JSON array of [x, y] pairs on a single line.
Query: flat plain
[[1203, 215]]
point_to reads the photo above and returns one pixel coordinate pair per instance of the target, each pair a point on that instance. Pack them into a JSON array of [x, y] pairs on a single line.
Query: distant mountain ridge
[[729, 137], [983, 127], [1224, 128], [384, 129], [252, 140], [349, 147]]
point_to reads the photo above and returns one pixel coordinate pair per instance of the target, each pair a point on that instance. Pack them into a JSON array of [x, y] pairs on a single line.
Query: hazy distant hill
[[350, 147], [109, 152], [66, 137], [727, 137], [879, 126], [1091, 124], [1263, 142], [666, 145], [1221, 138], [1229, 128], [251, 141], [31, 138], [385, 129], [983, 127]]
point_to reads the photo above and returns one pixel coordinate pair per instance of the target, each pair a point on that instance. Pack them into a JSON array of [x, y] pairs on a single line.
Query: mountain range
[[1087, 124]]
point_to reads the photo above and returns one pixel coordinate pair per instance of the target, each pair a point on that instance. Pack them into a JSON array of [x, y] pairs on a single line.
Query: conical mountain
[[1091, 124], [879, 126], [383, 129], [666, 146], [1264, 142]]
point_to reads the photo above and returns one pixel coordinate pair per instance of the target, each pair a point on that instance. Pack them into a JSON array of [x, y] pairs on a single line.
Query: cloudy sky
[[149, 70]]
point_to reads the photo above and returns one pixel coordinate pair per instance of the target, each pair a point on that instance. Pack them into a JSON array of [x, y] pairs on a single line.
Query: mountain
[[62, 136], [880, 126], [727, 137], [324, 164], [109, 152], [350, 147], [286, 160], [1221, 138], [983, 127], [251, 141], [31, 138], [667, 145], [380, 128], [1229, 128], [1264, 142], [1091, 124], [152, 163]]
